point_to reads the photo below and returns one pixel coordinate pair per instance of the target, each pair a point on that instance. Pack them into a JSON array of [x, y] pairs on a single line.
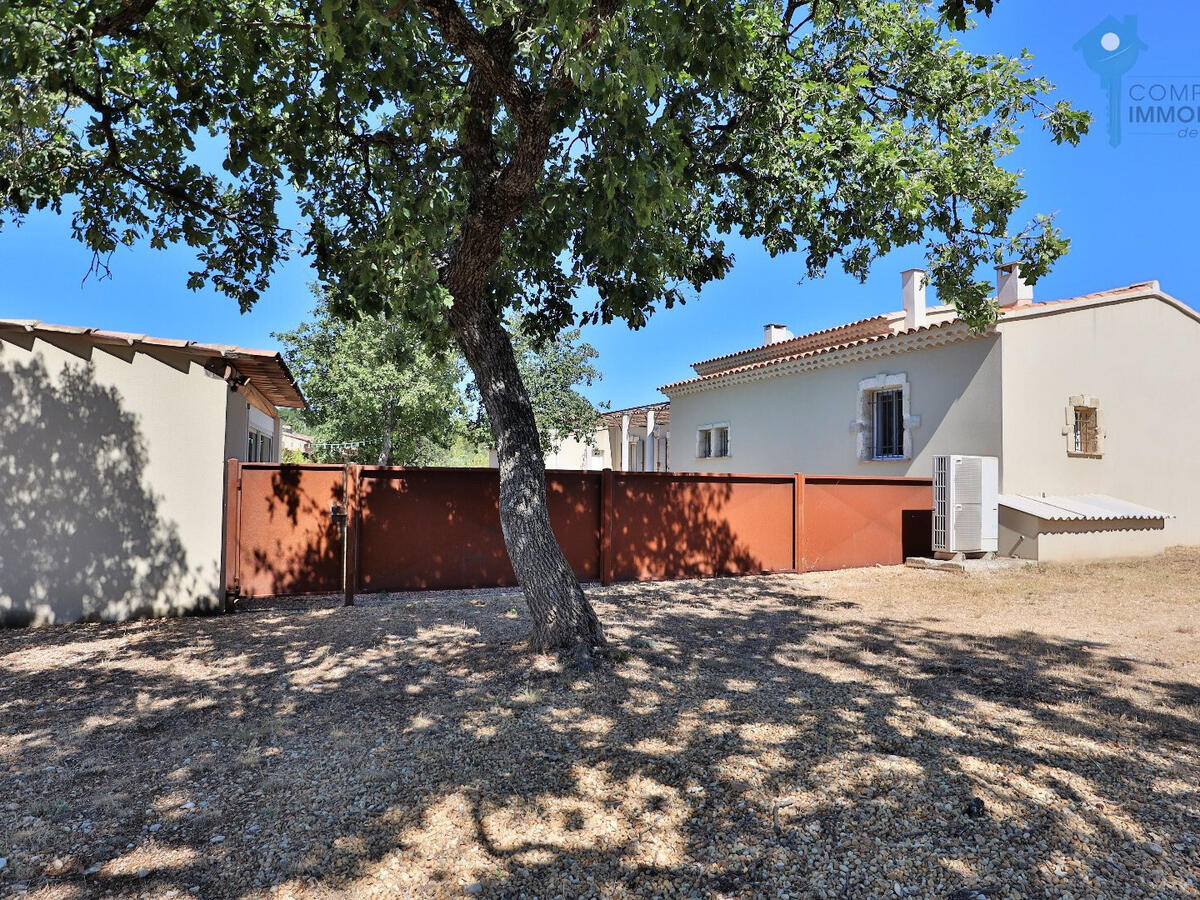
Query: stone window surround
[[864, 425], [1068, 429], [712, 454]]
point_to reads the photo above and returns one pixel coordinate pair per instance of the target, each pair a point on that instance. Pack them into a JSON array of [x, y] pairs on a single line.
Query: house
[[290, 439], [1089, 403], [639, 438], [111, 467], [627, 440]]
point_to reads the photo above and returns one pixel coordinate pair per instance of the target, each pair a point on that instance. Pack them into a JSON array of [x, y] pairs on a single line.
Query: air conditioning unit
[[966, 499]]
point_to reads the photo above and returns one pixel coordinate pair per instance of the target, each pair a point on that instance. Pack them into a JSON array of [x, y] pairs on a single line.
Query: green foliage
[[288, 456], [551, 369], [652, 129], [372, 381], [292, 418], [353, 372]]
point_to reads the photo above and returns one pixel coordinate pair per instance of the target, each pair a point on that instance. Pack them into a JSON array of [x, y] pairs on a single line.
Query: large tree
[[456, 159]]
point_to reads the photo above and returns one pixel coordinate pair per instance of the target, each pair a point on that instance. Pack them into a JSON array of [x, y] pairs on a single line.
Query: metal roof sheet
[[1080, 508]]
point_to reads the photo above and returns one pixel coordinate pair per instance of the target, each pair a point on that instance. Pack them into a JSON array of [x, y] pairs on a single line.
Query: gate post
[[607, 489], [798, 536], [231, 533], [350, 533]]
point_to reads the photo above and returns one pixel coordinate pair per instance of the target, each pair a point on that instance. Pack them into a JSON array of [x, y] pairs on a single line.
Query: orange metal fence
[[415, 529]]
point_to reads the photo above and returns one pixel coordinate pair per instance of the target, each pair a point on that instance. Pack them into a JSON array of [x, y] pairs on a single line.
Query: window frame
[[866, 424], [1071, 427], [706, 440]]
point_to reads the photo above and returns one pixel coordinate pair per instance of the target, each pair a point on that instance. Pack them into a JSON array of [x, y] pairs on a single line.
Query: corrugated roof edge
[[1080, 508]]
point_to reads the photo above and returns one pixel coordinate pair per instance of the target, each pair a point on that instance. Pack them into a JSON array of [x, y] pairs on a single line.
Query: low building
[[639, 438], [296, 442], [636, 439], [1089, 403], [111, 467]]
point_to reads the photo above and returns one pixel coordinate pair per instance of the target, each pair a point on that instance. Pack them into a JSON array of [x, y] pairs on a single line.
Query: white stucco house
[[112, 450], [1090, 404], [636, 439]]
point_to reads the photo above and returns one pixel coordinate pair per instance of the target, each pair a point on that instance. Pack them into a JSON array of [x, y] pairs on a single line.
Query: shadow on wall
[[673, 527], [290, 543], [80, 535]]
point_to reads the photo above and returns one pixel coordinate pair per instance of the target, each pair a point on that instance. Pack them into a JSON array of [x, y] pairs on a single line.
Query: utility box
[[966, 500]]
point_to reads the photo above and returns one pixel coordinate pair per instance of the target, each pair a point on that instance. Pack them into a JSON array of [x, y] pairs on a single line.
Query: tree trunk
[[389, 415], [562, 617]]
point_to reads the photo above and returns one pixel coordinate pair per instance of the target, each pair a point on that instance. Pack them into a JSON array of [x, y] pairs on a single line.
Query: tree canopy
[[839, 129], [371, 383]]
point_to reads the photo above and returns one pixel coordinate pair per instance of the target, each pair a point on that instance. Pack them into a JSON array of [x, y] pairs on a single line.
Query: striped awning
[[1079, 508]]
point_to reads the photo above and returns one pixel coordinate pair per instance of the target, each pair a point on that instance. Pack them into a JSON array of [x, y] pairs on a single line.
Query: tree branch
[[131, 14], [461, 34]]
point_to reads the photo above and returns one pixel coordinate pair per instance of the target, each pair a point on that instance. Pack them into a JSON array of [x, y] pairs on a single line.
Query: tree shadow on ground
[[752, 735], [81, 537]]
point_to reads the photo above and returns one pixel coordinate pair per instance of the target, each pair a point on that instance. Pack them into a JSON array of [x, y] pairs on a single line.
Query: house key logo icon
[[1111, 49]]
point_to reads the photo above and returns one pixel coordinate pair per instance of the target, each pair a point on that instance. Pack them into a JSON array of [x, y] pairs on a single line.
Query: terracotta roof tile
[[265, 368], [802, 349]]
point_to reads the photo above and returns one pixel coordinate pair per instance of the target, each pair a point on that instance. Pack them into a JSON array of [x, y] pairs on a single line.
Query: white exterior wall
[[802, 422], [1141, 360], [573, 453], [116, 547], [237, 423]]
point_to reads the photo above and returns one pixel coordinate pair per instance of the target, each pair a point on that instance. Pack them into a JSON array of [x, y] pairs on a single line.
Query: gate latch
[[338, 513]]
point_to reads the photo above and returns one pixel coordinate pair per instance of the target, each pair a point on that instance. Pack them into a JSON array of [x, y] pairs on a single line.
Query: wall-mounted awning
[[1080, 508]]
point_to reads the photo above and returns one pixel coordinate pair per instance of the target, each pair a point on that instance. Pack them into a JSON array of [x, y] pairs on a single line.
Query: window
[[884, 424], [720, 441], [1084, 427], [712, 441], [259, 447], [1085, 430], [888, 406]]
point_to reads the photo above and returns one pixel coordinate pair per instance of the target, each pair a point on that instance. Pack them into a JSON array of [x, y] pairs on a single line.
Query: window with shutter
[[1084, 428]]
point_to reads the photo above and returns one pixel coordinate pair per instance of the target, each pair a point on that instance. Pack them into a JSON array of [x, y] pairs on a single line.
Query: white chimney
[[912, 282], [1011, 289], [773, 334]]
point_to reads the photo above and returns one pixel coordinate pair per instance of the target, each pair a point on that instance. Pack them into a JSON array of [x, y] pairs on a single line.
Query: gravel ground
[[785, 736]]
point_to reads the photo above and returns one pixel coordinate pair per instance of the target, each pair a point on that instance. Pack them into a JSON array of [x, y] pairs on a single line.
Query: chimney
[[1011, 289], [912, 283], [773, 334]]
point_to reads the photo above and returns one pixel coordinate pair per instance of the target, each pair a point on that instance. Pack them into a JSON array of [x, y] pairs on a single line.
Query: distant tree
[[372, 382], [292, 418], [452, 162], [552, 370]]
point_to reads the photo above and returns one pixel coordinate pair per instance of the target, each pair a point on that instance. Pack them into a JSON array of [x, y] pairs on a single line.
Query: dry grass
[[814, 736]]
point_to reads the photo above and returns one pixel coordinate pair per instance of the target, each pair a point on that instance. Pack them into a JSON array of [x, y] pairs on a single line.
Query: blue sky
[[1132, 212]]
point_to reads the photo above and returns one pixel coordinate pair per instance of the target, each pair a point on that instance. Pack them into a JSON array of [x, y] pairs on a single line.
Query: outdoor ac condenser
[[966, 499]]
